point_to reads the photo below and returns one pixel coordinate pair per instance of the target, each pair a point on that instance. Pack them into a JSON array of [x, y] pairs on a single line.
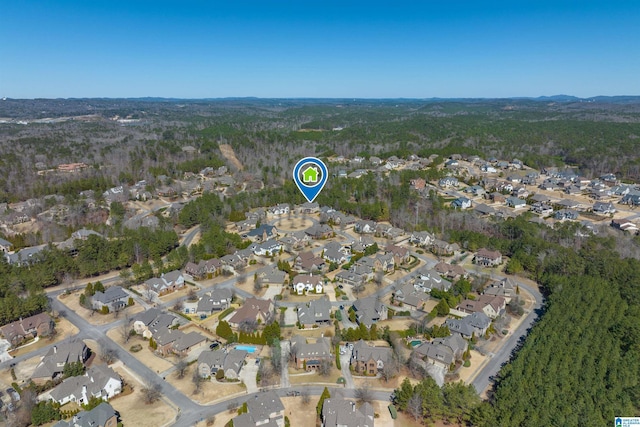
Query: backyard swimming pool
[[248, 348], [415, 343]]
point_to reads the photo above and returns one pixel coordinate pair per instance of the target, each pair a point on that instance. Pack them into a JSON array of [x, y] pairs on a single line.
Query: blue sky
[[375, 49]]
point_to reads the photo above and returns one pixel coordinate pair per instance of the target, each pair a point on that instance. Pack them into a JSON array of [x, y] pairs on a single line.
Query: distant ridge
[[619, 99]]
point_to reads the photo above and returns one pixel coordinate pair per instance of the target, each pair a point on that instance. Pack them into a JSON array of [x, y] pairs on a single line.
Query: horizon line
[[342, 98]]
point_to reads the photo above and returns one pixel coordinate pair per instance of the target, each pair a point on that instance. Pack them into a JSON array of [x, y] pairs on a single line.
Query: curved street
[[189, 412]]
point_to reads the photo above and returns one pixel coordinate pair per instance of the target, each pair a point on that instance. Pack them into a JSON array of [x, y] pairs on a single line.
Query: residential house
[[166, 283], [350, 278], [367, 359], [310, 263], [456, 343], [488, 258], [309, 353], [320, 231], [449, 181], [475, 190], [566, 215], [450, 271], [30, 327], [253, 311], [625, 224], [114, 298], [246, 225], [540, 198], [435, 354], [542, 209], [333, 252], [451, 163], [400, 254], [315, 313], [418, 184], [474, 324], [52, 364], [216, 300], [304, 283], [505, 288], [5, 246], [421, 238], [99, 381], [385, 263], [272, 277], [631, 199], [309, 208], [233, 262], [488, 168], [369, 310], [365, 227], [195, 270], [338, 412], [516, 203], [497, 197], [375, 161], [409, 295], [427, 280], [262, 233], [153, 321], [102, 415], [491, 305], [174, 341], [442, 248], [278, 210], [267, 248], [603, 208], [461, 203], [484, 210], [568, 204], [231, 363], [263, 409], [301, 239], [25, 256]]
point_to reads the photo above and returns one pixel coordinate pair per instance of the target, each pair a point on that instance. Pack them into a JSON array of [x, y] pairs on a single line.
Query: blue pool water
[[415, 343], [248, 348]]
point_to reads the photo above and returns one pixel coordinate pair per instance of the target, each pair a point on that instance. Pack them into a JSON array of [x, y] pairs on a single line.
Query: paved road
[[191, 412], [493, 366]]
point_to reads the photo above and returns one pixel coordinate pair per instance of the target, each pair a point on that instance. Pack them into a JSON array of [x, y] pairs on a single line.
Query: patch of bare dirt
[[229, 154]]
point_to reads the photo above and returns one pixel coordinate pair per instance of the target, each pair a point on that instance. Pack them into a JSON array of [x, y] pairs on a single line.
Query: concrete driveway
[[248, 375], [290, 316]]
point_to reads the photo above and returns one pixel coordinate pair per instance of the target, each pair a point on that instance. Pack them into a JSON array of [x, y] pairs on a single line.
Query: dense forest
[[21, 288], [580, 364], [268, 136]]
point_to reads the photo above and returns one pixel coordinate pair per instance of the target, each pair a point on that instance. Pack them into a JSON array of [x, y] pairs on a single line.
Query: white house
[[307, 283], [99, 381]]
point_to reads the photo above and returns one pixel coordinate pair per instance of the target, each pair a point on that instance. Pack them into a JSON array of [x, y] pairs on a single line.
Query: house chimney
[[55, 349]]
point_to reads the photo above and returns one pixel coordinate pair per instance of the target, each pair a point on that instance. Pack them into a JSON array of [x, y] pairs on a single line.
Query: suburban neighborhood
[[315, 298]]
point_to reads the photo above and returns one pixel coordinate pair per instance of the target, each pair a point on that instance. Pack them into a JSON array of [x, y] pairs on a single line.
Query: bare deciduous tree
[[197, 380], [325, 367], [390, 369], [179, 305], [125, 328], [107, 354], [364, 394], [306, 398], [151, 392], [181, 368], [414, 406]]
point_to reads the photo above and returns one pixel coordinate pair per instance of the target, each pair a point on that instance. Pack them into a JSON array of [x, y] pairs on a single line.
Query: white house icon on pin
[[310, 175]]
